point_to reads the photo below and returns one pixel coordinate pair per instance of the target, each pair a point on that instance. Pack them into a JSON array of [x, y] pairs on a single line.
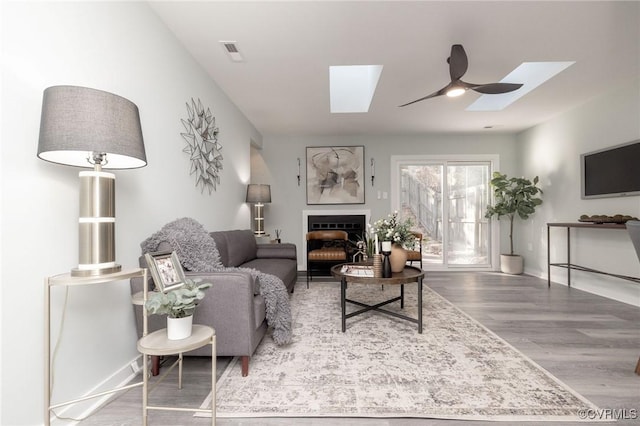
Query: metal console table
[[568, 265], [68, 280]]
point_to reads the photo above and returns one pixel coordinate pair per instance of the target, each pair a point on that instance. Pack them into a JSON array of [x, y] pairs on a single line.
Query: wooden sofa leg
[[155, 365], [245, 366]]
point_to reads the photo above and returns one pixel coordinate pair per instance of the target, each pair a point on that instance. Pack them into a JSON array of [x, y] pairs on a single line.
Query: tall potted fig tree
[[513, 197]]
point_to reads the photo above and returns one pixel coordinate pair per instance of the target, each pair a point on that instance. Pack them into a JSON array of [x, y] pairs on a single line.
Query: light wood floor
[[590, 343]]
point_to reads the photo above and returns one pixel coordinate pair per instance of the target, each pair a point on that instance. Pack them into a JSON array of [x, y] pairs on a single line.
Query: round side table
[[158, 344]]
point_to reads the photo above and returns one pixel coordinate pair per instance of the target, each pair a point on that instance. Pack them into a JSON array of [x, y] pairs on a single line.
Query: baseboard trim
[[73, 414]]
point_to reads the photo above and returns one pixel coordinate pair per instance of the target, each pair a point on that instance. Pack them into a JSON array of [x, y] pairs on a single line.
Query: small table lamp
[[85, 127], [258, 194]]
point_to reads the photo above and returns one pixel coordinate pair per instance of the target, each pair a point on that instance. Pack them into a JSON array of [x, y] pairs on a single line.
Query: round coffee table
[[408, 275]]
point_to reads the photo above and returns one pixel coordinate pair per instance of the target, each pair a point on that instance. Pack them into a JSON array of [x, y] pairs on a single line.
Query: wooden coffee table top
[[408, 275]]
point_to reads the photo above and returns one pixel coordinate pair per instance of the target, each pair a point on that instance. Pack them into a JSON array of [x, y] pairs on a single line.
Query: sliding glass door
[[446, 200]]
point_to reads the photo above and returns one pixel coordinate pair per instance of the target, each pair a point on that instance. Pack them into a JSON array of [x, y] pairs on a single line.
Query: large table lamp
[[258, 194], [90, 128]]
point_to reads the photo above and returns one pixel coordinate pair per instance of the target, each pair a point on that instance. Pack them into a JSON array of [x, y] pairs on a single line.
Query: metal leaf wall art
[[203, 146]]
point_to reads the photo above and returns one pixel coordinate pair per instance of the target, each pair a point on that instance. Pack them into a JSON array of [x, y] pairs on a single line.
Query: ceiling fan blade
[[433, 95], [495, 88], [458, 62]]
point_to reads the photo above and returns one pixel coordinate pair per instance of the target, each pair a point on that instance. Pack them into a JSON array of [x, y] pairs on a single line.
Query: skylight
[[351, 87], [530, 74]]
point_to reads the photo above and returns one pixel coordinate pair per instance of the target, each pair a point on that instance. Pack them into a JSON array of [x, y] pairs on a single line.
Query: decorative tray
[[606, 219], [357, 270]]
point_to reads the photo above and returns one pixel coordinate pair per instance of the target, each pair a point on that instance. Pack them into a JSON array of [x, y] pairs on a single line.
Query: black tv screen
[[611, 172]]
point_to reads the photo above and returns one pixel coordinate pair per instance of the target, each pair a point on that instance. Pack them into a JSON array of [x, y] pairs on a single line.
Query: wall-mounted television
[[611, 172]]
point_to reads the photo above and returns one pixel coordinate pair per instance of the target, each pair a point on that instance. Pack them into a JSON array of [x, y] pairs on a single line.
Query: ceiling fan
[[457, 67]]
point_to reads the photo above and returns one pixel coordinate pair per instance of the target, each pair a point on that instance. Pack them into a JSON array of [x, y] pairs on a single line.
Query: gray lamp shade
[[77, 121], [258, 193]]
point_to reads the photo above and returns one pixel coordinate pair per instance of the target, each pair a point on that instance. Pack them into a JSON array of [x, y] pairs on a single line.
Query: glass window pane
[[421, 199], [468, 230]]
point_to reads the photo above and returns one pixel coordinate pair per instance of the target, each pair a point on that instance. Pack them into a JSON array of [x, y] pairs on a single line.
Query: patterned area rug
[[382, 367]]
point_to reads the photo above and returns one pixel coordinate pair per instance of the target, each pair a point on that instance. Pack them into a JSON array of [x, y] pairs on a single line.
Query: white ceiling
[[282, 87]]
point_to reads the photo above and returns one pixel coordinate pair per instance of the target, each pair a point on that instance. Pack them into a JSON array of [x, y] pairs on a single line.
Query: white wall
[[121, 48], [552, 151], [288, 199]]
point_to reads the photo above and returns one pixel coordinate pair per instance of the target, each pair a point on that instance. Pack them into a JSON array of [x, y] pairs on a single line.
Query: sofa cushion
[[241, 247], [285, 269], [259, 309], [221, 244]]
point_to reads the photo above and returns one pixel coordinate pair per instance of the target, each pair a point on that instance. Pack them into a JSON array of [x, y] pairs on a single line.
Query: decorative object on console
[[258, 194], [335, 175], [178, 304], [600, 218], [86, 127], [513, 196], [203, 146]]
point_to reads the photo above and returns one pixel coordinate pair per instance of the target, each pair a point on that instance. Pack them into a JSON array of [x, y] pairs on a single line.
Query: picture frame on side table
[[166, 271], [335, 175]]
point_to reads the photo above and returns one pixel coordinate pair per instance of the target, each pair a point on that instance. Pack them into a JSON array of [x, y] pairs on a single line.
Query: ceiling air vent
[[232, 50]]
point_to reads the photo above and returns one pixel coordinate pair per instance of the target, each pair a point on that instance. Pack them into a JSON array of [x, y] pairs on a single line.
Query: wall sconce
[[373, 170], [298, 171]]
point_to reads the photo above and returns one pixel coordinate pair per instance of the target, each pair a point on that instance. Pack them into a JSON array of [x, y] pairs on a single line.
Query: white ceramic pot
[[511, 264], [179, 328]]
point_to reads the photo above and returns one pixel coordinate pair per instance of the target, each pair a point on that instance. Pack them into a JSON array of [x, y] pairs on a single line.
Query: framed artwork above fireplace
[[335, 175]]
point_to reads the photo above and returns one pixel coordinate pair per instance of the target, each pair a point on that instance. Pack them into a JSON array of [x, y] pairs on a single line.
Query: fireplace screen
[[335, 175]]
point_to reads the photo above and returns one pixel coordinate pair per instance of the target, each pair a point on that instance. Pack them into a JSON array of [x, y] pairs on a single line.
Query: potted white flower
[[179, 305], [397, 233]]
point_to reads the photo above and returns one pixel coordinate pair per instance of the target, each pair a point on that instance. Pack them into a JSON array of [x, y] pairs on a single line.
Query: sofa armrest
[[227, 288], [229, 307], [277, 251], [230, 296]]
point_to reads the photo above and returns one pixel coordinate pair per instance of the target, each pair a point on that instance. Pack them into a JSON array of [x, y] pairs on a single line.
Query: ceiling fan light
[[455, 91]]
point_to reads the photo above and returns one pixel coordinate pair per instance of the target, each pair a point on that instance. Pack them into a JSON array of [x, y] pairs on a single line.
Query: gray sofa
[[233, 305]]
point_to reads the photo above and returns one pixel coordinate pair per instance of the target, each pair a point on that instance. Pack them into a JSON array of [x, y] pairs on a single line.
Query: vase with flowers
[[397, 233]]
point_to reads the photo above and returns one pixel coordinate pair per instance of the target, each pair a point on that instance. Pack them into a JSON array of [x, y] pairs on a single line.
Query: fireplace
[[354, 225], [354, 222]]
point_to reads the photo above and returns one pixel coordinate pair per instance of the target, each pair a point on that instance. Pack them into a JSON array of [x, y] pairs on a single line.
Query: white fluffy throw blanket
[[197, 251]]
